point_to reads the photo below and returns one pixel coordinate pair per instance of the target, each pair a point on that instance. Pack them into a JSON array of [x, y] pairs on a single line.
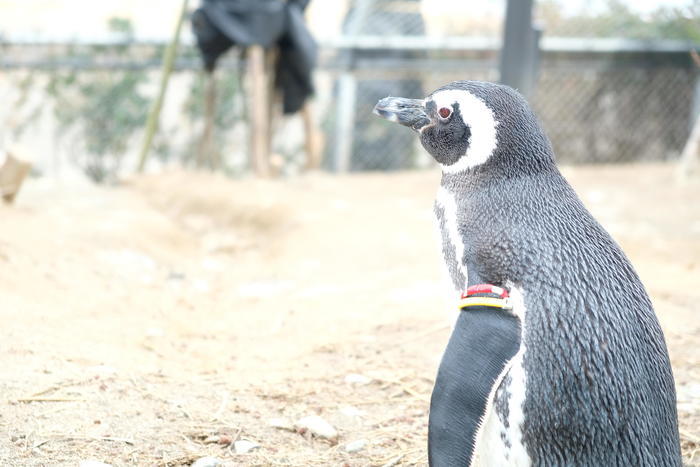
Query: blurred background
[[612, 81], [192, 263]]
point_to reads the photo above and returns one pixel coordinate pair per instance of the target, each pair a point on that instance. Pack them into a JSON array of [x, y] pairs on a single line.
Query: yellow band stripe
[[483, 301]]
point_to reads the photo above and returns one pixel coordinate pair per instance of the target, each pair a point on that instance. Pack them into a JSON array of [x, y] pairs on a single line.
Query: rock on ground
[[318, 426]]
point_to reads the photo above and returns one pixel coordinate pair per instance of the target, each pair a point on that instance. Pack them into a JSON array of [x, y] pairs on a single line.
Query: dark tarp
[[221, 24]]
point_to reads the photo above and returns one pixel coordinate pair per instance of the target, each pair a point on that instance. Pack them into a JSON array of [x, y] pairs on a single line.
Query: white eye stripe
[[481, 122]]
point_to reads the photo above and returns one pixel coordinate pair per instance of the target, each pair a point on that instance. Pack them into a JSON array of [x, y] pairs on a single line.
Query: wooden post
[[312, 137], [272, 95], [275, 162], [259, 110], [205, 151], [154, 114]]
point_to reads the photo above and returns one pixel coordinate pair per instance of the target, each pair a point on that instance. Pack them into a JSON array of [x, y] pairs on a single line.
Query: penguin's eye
[[445, 112]]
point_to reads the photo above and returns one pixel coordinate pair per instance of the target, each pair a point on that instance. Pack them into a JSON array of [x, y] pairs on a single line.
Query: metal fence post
[[347, 92], [345, 118], [518, 52], [695, 109], [690, 156], [534, 61]]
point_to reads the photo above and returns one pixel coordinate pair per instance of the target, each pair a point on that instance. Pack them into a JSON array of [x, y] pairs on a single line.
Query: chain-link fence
[[594, 108], [602, 93], [74, 105]]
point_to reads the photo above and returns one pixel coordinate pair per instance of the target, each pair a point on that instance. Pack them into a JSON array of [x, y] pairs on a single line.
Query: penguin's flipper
[[484, 341]]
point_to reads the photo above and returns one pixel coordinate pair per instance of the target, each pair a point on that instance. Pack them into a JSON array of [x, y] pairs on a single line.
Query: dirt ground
[[156, 322]]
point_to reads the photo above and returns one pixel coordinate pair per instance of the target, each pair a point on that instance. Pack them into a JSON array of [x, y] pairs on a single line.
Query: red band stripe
[[485, 288]]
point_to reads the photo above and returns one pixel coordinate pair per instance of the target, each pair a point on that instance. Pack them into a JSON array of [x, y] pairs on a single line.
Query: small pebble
[[104, 370], [351, 411], [243, 446], [93, 463], [355, 446], [360, 380], [317, 426], [211, 439], [206, 462], [281, 423], [155, 332], [225, 440]]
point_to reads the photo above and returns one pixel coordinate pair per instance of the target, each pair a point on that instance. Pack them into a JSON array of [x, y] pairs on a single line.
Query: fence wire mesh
[[591, 115], [78, 105]]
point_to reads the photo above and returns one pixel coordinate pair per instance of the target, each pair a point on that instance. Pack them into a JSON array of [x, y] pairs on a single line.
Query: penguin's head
[[468, 124]]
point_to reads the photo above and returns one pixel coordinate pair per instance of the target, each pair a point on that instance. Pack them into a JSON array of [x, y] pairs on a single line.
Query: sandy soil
[[155, 322]]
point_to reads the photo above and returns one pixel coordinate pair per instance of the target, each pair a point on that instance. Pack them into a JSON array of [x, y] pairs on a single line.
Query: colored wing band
[[500, 292], [502, 303]]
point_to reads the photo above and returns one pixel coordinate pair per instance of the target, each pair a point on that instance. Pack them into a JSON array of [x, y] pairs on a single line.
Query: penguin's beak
[[407, 112]]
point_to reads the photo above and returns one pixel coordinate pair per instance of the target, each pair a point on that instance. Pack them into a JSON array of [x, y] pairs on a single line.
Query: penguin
[[575, 369]]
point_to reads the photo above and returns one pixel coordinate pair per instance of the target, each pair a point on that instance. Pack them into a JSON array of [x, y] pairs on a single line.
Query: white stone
[[355, 446], [155, 332], [243, 446], [317, 426], [688, 392], [355, 378], [207, 462], [212, 439], [104, 370], [93, 463], [352, 411], [201, 285], [264, 289]]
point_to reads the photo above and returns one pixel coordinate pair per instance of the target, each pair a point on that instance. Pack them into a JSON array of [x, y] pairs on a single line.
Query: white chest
[[452, 243], [499, 440]]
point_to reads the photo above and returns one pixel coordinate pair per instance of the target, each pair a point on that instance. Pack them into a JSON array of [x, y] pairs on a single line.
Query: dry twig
[[689, 436], [394, 461], [48, 399]]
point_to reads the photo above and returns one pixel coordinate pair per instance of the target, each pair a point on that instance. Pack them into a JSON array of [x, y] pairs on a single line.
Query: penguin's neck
[[492, 174], [466, 182]]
